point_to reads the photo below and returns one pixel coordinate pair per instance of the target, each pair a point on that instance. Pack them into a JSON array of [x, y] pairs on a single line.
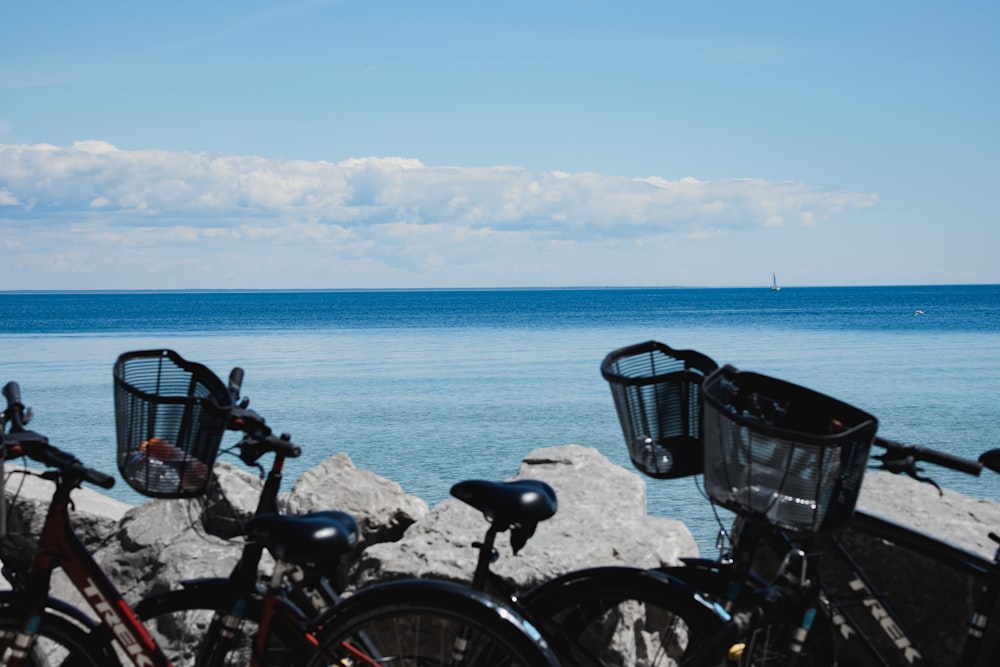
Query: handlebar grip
[[98, 478], [14, 413], [37, 448], [942, 459], [284, 445], [948, 461], [235, 381], [12, 392]]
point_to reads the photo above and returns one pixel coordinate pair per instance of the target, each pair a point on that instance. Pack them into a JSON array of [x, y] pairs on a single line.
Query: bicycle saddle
[[523, 501], [306, 538]]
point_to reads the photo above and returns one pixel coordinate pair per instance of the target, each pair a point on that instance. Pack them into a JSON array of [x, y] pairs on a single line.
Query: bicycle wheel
[[60, 643], [620, 616], [187, 622], [419, 623]]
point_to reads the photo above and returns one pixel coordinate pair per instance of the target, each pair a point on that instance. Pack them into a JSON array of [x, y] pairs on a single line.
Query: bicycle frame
[[882, 615], [59, 546], [871, 620]]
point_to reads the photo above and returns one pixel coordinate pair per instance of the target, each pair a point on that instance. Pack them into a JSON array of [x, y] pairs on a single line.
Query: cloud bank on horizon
[[93, 216]]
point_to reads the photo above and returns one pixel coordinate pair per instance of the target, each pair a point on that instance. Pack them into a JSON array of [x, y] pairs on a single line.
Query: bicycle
[[873, 613], [585, 614], [38, 630], [815, 603], [185, 620]]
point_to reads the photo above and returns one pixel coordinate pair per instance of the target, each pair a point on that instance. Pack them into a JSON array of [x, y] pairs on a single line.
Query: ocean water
[[431, 387]]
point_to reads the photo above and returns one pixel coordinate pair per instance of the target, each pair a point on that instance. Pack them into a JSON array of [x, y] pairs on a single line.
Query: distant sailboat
[[774, 283]]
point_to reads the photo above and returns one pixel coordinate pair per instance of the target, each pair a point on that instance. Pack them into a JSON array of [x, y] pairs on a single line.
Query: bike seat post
[[487, 555]]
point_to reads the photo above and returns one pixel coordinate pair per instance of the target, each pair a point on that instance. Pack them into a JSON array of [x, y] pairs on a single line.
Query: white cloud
[[387, 211], [364, 191], [7, 198]]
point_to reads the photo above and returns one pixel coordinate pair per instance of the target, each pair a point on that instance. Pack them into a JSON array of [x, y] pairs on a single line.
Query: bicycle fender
[[625, 576], [445, 595]]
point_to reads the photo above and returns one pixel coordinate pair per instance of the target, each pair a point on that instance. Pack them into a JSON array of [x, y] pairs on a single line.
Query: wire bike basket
[[783, 453], [657, 391], [170, 416]]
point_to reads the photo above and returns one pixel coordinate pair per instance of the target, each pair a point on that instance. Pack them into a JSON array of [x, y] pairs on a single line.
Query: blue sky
[[386, 144]]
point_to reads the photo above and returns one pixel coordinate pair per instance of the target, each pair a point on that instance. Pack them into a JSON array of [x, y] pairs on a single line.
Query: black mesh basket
[[783, 453], [170, 415], [657, 395]]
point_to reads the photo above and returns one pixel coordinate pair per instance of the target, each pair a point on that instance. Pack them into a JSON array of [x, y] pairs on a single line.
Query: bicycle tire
[[618, 616], [411, 623], [60, 643], [184, 623]]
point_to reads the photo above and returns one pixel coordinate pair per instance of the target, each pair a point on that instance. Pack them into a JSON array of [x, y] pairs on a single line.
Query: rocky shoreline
[[601, 520]]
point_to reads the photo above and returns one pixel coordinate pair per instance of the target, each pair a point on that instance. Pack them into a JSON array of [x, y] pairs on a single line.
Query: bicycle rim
[[59, 644], [621, 617], [426, 624]]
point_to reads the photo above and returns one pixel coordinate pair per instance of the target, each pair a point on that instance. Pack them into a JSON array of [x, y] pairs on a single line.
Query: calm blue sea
[[430, 387]]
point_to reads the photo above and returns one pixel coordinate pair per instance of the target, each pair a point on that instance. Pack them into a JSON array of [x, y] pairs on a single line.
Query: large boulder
[[380, 506], [951, 517], [601, 520], [163, 542]]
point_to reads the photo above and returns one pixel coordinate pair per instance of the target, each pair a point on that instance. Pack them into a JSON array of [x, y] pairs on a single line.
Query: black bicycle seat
[[307, 538], [523, 501]]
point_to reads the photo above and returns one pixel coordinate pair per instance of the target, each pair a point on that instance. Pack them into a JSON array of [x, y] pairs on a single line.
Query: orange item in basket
[[161, 449], [194, 472]]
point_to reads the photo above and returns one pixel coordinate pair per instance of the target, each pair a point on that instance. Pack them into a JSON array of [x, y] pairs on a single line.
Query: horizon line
[[539, 288]]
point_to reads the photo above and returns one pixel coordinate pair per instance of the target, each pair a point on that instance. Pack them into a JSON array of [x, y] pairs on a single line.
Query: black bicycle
[[594, 617], [799, 581]]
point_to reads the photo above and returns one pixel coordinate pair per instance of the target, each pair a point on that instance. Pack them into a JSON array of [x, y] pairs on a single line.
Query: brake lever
[[927, 480], [250, 452], [905, 465]]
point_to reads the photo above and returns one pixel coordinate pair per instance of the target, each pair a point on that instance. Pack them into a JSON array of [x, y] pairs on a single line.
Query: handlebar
[[37, 449], [902, 458], [23, 442], [898, 454], [258, 439], [252, 448]]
